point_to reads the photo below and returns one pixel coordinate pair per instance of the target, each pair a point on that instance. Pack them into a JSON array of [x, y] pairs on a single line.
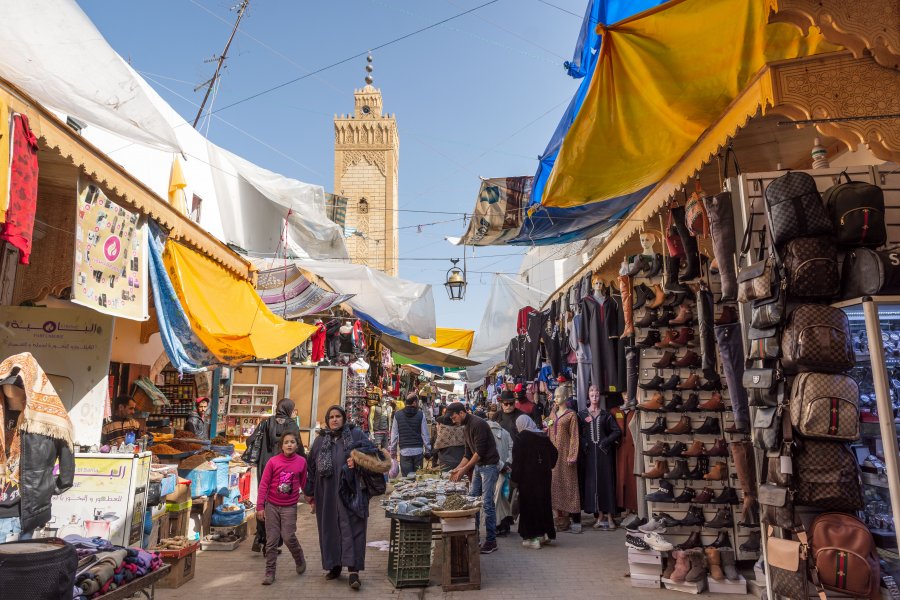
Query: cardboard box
[[686, 587], [182, 492], [645, 569], [645, 581], [182, 571], [644, 556], [728, 587], [458, 524]]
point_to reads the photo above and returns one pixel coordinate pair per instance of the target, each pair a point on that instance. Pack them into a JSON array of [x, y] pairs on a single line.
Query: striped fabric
[[290, 295]]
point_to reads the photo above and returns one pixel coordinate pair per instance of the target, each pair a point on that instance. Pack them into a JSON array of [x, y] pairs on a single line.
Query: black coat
[[37, 482], [273, 428], [534, 457], [196, 425], [508, 422], [597, 462]]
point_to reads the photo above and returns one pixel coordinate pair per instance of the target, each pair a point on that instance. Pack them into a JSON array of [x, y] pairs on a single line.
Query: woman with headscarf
[[534, 457], [271, 430], [449, 443], [342, 532]]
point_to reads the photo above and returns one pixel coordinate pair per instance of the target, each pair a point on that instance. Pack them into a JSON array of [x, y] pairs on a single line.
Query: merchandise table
[[146, 586]]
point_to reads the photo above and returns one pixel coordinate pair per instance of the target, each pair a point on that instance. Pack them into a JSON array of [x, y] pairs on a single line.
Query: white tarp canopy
[[400, 304], [498, 323], [52, 51]]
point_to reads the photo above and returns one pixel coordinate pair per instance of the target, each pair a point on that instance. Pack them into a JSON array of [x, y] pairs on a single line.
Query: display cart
[[144, 586]]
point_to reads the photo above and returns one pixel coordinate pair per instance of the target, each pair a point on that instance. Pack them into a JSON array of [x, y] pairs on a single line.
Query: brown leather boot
[[690, 360], [696, 449], [666, 361], [715, 564], [693, 541], [658, 449], [654, 403], [668, 337], [720, 448], [717, 472], [714, 403], [684, 338], [744, 458], [660, 469], [727, 316], [685, 315], [682, 427], [659, 298], [704, 496], [627, 308], [691, 383]]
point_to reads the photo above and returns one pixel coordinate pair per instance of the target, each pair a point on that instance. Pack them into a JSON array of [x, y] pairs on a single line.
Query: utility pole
[[221, 62]]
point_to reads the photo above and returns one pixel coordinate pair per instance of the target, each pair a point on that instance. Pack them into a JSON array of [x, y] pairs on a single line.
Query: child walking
[[276, 503]]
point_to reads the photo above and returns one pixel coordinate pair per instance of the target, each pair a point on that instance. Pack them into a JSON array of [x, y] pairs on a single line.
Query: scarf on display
[[44, 413], [325, 464]]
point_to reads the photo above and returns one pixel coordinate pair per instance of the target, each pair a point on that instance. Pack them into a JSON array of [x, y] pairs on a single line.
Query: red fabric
[[23, 187], [522, 320], [318, 343], [359, 338]]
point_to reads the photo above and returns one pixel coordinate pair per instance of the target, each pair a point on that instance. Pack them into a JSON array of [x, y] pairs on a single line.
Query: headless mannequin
[[594, 410]]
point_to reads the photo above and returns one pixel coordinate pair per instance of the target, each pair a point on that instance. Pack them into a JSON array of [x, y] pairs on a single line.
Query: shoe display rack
[[690, 478]]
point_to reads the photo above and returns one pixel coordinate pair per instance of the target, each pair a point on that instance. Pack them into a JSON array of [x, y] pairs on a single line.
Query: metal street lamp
[[456, 281]]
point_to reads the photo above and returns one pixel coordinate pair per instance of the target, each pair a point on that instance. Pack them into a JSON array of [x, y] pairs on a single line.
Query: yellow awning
[[226, 313], [663, 78], [177, 183], [423, 355], [452, 339]]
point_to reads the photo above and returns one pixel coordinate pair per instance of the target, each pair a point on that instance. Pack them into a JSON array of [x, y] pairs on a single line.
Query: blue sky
[[478, 96]]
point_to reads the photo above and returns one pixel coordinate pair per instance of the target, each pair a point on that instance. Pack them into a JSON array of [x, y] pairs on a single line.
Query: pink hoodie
[[282, 481]]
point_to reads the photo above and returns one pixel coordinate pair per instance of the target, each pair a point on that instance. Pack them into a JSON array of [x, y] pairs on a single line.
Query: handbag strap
[[729, 151], [845, 175], [748, 231]]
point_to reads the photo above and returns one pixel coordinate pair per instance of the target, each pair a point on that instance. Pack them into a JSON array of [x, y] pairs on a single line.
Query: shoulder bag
[[760, 280], [764, 343], [788, 565], [794, 208], [695, 218], [762, 385], [673, 239]]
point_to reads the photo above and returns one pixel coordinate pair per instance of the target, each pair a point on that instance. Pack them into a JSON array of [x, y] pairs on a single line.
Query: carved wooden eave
[[861, 26], [121, 187]]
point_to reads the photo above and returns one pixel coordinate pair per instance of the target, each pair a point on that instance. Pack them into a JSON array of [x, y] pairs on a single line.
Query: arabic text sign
[[110, 257]]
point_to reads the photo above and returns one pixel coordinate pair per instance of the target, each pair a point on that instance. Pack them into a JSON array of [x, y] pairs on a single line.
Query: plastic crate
[[409, 556]]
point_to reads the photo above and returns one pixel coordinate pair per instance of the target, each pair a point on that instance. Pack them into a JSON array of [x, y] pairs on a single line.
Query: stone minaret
[[366, 154]]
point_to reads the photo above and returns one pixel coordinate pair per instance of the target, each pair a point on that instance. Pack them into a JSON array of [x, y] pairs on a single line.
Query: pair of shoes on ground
[[354, 580], [604, 525], [269, 579], [488, 547], [573, 528]]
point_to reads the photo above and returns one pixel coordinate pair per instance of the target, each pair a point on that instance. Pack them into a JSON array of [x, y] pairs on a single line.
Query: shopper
[[342, 532], [534, 457], [562, 429], [600, 435], [482, 459], [449, 443], [123, 423], [503, 491], [509, 414], [196, 421], [271, 430], [409, 436], [276, 503]]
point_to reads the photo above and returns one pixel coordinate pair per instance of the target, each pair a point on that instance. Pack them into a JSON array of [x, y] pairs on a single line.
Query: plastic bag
[[395, 469]]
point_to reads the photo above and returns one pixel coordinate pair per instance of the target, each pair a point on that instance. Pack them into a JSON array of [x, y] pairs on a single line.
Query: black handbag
[[769, 312], [812, 268], [254, 444], [794, 208], [762, 385], [870, 273], [856, 209], [764, 344]]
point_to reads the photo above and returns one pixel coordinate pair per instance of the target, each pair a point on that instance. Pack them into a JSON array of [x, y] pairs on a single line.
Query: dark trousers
[[281, 524], [410, 464]]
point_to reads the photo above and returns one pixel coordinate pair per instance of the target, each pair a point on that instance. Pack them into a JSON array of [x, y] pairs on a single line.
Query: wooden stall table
[[145, 586], [460, 554]]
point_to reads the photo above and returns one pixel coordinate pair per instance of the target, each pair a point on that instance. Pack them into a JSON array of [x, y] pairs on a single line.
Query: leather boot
[[698, 566], [723, 540], [645, 317], [723, 519], [714, 403], [627, 308], [696, 449], [665, 315], [651, 339], [670, 280], [728, 566], [701, 469], [653, 404], [667, 339], [721, 229], [666, 361], [686, 496], [653, 384], [673, 404], [691, 254], [720, 448], [691, 383], [744, 458], [710, 426], [705, 496], [679, 472], [676, 449], [660, 469], [671, 383], [691, 404], [693, 518], [717, 472], [752, 545], [640, 294], [664, 493], [727, 316], [682, 427], [693, 541], [685, 315], [705, 318], [715, 563], [713, 382], [659, 296], [684, 338], [682, 566], [728, 496], [690, 360], [659, 426], [632, 374], [658, 449]]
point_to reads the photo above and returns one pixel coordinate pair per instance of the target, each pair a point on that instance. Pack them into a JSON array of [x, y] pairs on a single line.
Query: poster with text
[[110, 257]]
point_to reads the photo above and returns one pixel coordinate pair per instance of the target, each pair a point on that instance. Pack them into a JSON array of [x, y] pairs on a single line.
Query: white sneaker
[[658, 542], [653, 525], [574, 528], [545, 541], [533, 543]]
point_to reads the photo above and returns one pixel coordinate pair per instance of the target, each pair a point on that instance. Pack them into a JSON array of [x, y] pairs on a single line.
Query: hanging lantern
[[456, 281]]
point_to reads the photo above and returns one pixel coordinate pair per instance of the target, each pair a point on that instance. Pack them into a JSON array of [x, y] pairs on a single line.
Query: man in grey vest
[[410, 440]]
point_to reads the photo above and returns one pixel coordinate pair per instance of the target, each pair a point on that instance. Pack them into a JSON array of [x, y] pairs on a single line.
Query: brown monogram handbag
[[817, 338], [826, 475]]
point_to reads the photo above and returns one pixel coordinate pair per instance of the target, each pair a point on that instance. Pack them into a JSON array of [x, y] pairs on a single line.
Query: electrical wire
[[568, 12]]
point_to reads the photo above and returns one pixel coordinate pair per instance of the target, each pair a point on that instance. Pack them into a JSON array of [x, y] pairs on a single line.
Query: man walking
[[483, 460], [410, 433]]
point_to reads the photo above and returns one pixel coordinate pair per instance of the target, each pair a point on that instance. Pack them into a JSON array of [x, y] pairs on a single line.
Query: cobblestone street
[[589, 565]]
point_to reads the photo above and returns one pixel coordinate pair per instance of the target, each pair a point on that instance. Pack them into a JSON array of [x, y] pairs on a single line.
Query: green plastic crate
[[409, 556]]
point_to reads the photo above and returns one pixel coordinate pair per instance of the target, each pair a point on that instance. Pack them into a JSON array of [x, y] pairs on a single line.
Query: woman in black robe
[[600, 435], [342, 532], [534, 457]]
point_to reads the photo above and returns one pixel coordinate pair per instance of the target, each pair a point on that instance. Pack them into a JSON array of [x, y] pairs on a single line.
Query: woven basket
[[455, 514]]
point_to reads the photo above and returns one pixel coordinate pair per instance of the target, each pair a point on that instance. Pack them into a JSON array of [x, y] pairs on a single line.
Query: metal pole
[[883, 402], [215, 76], [214, 403]]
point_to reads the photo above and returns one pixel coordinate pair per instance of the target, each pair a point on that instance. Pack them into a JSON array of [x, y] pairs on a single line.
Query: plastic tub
[[203, 483]]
